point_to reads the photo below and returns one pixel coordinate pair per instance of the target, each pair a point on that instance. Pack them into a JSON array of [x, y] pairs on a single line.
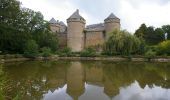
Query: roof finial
[[77, 11]]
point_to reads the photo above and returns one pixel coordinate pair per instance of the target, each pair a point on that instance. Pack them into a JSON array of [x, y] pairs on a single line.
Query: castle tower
[[75, 80], [75, 35], [54, 25], [111, 23]]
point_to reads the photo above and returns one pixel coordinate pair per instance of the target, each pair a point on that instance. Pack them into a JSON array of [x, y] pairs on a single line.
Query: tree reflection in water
[[68, 80]]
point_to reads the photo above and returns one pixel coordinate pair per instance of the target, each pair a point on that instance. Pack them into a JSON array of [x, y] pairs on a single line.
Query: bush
[[31, 49], [89, 52], [164, 48], [46, 52], [65, 52], [150, 54]]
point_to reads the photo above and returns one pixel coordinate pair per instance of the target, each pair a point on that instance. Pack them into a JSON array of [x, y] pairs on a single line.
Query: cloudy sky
[[131, 12]]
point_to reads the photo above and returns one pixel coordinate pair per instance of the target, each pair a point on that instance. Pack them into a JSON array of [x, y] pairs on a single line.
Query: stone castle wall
[[54, 28], [94, 38], [62, 38]]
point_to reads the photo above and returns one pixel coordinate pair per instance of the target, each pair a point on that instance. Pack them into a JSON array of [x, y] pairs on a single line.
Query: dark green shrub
[[31, 49], [88, 52], [46, 52], [65, 52]]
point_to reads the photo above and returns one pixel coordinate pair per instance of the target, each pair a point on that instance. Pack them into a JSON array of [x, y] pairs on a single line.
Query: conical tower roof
[[111, 16], [76, 15], [62, 23], [53, 21]]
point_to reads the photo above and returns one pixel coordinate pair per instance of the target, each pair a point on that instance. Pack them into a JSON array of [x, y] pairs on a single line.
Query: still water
[[87, 80]]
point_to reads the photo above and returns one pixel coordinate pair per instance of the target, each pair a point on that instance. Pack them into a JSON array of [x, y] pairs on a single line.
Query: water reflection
[[89, 80]]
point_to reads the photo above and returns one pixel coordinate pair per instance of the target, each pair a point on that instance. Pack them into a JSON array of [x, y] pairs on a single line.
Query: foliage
[[140, 32], [164, 48], [150, 35], [88, 52], [150, 54], [46, 52], [65, 52], [166, 29], [31, 49], [19, 25], [122, 43], [142, 47]]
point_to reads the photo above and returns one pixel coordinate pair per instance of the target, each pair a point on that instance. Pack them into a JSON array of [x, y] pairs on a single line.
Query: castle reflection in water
[[36, 80]]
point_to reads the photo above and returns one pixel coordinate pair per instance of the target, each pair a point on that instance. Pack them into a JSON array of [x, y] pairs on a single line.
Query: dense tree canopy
[[150, 35], [19, 25], [166, 29]]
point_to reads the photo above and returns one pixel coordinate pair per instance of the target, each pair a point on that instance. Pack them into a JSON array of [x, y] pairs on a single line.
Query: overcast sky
[[131, 12]]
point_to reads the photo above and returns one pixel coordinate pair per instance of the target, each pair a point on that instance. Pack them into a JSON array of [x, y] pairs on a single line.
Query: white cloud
[[131, 12], [151, 14], [135, 92]]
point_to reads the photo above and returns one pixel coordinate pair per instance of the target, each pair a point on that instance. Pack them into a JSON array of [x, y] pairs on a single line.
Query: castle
[[77, 36]]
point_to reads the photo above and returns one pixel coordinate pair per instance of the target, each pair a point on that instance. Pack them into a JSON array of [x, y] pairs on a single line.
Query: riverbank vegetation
[[24, 32]]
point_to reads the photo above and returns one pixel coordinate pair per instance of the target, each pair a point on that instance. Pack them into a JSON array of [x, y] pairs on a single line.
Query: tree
[[122, 43], [164, 48], [11, 39], [31, 49], [140, 32], [19, 25], [166, 29], [150, 35]]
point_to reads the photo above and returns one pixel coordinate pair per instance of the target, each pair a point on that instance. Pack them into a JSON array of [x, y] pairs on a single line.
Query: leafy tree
[[122, 43], [19, 25], [140, 32], [150, 35], [164, 48], [31, 49], [166, 29], [11, 38]]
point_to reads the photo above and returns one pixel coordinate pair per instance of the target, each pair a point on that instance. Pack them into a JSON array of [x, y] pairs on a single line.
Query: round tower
[[75, 36], [111, 23], [54, 25]]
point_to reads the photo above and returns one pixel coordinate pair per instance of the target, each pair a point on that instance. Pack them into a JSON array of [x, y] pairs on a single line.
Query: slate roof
[[62, 23], [111, 16], [53, 21], [95, 27], [76, 15]]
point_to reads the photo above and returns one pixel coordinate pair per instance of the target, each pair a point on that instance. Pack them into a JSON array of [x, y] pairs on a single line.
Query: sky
[[131, 12]]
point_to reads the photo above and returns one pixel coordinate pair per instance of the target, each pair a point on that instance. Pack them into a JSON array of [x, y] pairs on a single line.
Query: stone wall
[[94, 38], [62, 37], [54, 28]]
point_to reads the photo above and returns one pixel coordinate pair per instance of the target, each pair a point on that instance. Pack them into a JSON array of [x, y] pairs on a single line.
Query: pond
[[87, 80]]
